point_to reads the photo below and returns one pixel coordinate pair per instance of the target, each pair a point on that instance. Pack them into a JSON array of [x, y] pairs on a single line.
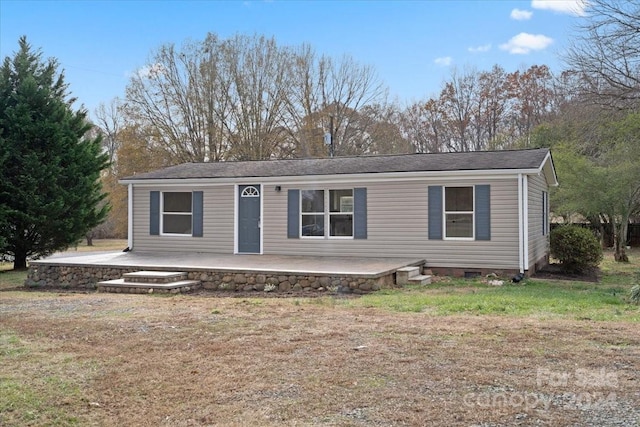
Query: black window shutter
[[359, 213], [197, 215], [293, 214], [483, 212], [435, 212], [154, 213]]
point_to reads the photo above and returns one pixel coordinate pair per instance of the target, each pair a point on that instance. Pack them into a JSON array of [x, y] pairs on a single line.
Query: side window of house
[[176, 213], [458, 212]]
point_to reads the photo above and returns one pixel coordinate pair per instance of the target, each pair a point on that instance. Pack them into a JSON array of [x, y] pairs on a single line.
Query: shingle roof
[[467, 161]]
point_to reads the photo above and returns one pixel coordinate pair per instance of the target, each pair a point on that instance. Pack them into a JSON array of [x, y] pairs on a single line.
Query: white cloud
[[478, 49], [521, 15], [570, 7], [151, 71], [444, 60], [524, 43]]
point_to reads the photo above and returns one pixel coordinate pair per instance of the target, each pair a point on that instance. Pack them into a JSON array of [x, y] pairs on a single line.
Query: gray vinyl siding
[[397, 224], [538, 243], [218, 208], [397, 214]]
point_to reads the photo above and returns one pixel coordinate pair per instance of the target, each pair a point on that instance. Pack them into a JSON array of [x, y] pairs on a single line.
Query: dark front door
[[249, 219]]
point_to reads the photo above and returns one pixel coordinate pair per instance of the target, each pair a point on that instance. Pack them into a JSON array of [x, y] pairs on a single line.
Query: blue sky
[[413, 45]]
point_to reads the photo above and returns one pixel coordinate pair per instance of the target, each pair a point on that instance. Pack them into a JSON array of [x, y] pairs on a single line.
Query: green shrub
[[576, 248], [635, 294]]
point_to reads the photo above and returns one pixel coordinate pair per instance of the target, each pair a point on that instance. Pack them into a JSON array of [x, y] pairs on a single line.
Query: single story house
[[461, 212]]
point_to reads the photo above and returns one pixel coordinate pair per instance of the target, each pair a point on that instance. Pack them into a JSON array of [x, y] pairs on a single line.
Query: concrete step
[[158, 277], [420, 279], [124, 286], [405, 273]]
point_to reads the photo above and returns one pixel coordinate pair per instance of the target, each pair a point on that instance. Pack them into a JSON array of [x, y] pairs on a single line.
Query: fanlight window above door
[[250, 191]]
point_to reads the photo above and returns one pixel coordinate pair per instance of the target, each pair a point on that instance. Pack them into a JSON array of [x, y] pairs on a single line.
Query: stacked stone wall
[[72, 276], [87, 277]]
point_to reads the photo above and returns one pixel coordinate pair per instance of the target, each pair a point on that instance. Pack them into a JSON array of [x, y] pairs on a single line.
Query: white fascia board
[[548, 169], [339, 178]]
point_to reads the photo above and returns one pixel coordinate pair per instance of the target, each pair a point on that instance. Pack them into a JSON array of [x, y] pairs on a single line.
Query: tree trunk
[[609, 234], [89, 240], [620, 237], [600, 222], [601, 233], [20, 260]]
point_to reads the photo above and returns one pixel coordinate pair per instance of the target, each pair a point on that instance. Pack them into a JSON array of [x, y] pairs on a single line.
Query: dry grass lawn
[[197, 360], [101, 359]]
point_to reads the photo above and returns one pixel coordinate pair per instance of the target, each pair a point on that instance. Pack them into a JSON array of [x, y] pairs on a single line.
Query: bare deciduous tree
[[248, 98], [494, 106], [531, 92], [606, 52], [483, 110], [422, 125], [179, 96], [327, 92], [459, 98], [110, 121], [257, 77]]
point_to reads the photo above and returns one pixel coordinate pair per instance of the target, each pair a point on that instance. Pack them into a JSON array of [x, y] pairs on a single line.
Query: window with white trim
[[177, 213], [312, 213], [341, 213], [545, 213], [250, 191], [322, 210], [458, 213]]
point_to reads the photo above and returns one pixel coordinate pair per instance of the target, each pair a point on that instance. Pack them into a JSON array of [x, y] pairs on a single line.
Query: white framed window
[[250, 191], [312, 213], [545, 213], [176, 213], [458, 213], [341, 213], [322, 210]]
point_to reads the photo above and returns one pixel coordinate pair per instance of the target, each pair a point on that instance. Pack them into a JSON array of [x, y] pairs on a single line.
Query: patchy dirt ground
[[138, 360], [555, 272]]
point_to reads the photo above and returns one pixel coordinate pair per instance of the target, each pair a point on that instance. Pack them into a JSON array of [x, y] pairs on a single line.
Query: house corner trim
[[130, 216]]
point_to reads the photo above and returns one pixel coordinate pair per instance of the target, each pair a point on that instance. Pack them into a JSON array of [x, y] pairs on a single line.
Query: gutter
[[358, 177], [523, 222]]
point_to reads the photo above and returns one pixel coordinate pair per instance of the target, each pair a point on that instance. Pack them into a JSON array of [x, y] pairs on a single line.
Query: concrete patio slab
[[288, 264]]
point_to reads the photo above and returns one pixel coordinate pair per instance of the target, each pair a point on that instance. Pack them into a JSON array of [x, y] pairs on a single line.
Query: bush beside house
[[577, 249]]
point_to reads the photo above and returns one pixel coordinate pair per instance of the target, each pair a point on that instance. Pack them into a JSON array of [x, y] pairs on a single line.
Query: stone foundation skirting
[[86, 277], [72, 276], [285, 282]]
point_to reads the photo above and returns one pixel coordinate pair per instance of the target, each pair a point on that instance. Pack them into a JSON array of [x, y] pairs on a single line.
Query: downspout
[[130, 216], [525, 223], [520, 224]]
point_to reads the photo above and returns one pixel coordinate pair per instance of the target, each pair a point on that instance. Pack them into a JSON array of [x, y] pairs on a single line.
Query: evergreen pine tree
[[50, 192]]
